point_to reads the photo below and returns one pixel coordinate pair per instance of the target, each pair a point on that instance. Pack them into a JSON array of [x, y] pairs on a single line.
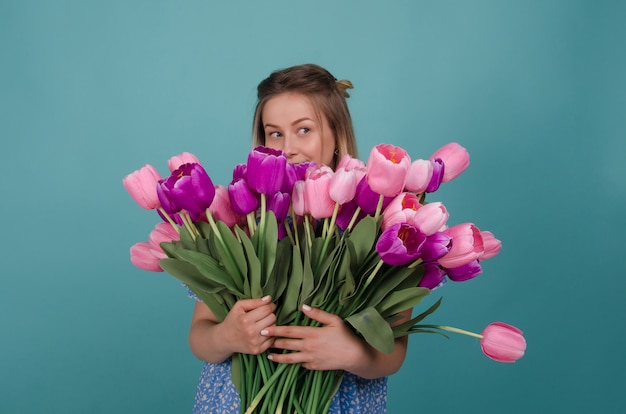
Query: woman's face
[[292, 125]]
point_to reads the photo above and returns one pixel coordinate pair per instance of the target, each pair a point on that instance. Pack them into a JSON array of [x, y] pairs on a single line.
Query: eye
[[303, 131], [273, 134]]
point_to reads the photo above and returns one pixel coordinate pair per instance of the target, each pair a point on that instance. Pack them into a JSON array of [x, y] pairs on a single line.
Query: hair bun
[[343, 85]]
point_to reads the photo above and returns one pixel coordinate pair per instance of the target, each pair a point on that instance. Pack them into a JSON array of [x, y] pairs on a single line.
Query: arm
[[335, 346], [214, 341]]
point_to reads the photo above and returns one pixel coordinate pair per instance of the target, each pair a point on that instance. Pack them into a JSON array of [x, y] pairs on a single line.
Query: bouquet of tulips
[[360, 242]]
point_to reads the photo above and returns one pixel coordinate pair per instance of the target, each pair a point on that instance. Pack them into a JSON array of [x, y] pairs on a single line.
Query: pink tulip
[[177, 160], [142, 186], [297, 199], [400, 210], [418, 176], [343, 185], [316, 192], [144, 257], [455, 160], [349, 163], [387, 169], [431, 218], [467, 245], [491, 245], [502, 342], [162, 232], [222, 209]]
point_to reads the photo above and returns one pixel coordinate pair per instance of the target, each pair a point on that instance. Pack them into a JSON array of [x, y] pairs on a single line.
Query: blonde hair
[[328, 97]]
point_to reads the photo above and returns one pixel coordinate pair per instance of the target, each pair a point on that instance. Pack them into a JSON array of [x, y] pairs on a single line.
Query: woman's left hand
[[333, 346]]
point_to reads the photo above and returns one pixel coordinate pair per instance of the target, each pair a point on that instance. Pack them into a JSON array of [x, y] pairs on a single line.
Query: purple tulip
[[344, 216], [436, 246], [367, 199], [188, 188], [266, 170], [279, 204], [242, 199], [239, 172], [465, 272], [437, 177], [293, 173], [400, 244], [433, 275]]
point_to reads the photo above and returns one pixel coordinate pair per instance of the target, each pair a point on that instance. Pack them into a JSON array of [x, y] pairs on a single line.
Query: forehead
[[288, 107]]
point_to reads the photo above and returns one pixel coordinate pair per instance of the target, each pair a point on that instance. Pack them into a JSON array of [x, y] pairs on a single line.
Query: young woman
[[301, 110]]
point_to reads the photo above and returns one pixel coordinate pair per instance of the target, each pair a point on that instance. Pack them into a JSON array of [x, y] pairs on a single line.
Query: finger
[[287, 358], [261, 312], [288, 344], [285, 331], [250, 304], [321, 316]]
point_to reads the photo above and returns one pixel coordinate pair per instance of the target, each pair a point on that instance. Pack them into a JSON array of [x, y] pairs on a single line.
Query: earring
[[336, 151]]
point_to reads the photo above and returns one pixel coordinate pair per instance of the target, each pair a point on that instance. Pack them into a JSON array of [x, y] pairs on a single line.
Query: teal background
[[92, 90]]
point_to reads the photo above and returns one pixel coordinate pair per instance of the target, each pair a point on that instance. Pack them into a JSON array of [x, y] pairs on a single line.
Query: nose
[[290, 146]]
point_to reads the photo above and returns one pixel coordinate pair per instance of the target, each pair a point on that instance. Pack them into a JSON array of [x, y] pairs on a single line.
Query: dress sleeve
[[190, 294]]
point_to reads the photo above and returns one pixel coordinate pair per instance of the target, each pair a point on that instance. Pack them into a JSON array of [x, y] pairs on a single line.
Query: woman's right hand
[[243, 325], [240, 331]]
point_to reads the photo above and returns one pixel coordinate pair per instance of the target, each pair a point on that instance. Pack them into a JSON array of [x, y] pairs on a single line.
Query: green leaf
[[363, 237], [308, 281], [210, 269], [231, 255], [401, 300], [204, 288], [291, 300], [277, 281], [388, 282], [406, 327], [269, 243], [254, 265], [374, 329]]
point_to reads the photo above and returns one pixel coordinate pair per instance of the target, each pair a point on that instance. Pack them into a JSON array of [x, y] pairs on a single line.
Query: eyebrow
[[297, 121]]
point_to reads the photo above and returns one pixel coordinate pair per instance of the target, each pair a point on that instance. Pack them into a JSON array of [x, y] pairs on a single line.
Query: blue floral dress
[[216, 393]]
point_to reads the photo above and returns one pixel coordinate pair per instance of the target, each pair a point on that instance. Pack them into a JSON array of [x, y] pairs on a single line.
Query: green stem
[[379, 207], [266, 387], [451, 329], [169, 219], [353, 219]]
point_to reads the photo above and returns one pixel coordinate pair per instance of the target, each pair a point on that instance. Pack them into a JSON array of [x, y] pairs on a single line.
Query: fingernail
[[264, 332], [306, 308], [270, 357], [265, 298]]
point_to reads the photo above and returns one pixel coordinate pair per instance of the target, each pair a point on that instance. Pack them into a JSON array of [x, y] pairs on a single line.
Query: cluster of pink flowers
[[390, 186]]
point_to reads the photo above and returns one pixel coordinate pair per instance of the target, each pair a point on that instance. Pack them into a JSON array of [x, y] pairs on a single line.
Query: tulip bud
[[266, 170], [185, 158], [455, 159], [343, 185], [465, 272], [433, 275], [467, 245], [387, 168], [502, 342], [316, 192], [188, 188], [144, 257], [491, 245], [221, 207], [418, 176], [242, 199], [142, 187], [437, 176]]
